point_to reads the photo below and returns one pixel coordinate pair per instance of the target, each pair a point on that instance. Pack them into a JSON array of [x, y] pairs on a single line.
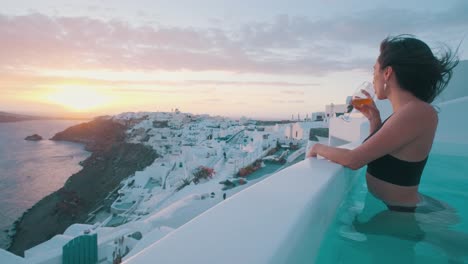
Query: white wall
[[8, 257], [342, 132], [281, 219], [457, 87], [335, 108], [301, 130], [52, 257], [356, 129], [452, 130]]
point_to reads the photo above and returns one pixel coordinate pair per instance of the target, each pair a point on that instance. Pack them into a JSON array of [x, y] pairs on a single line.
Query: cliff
[[97, 135], [111, 161]]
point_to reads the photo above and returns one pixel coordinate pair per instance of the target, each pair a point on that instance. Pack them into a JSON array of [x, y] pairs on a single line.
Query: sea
[[31, 170]]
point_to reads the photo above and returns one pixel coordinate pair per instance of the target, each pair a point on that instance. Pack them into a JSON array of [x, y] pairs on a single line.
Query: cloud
[[292, 92], [29, 81], [209, 101], [365, 28], [285, 45], [288, 101], [243, 83]]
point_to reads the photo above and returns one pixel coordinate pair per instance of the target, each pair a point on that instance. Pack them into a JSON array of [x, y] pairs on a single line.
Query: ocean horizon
[[31, 170]]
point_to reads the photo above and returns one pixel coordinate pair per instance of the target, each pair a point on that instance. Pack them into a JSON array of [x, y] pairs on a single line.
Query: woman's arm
[[398, 132], [338, 155]]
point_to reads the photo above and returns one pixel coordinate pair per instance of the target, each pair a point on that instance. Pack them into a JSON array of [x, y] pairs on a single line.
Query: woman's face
[[378, 81]]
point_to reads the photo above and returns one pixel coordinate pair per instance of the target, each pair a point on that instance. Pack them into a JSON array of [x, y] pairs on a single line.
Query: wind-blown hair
[[416, 68]]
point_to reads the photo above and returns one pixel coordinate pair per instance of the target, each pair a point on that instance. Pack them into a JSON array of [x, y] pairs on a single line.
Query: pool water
[[364, 231]]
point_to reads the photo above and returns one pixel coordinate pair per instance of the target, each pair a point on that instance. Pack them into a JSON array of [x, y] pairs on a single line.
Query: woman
[[410, 77]]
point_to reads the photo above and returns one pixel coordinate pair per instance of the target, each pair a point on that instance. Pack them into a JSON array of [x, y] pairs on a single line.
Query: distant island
[[6, 117], [34, 137]]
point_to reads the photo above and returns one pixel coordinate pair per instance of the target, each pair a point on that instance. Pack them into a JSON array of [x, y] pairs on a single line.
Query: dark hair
[[416, 68]]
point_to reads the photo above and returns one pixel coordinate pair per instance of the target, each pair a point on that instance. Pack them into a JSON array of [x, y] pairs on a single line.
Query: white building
[[301, 130], [288, 131], [318, 116], [332, 109]]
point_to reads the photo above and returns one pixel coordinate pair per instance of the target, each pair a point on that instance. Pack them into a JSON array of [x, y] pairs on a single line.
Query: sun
[[79, 99]]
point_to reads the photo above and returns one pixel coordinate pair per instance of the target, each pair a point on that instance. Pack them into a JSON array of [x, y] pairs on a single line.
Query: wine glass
[[360, 98]]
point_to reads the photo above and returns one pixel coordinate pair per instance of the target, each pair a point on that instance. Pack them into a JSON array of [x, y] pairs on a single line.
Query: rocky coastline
[[111, 161]]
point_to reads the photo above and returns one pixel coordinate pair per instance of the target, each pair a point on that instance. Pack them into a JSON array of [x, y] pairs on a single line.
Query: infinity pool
[[364, 231]]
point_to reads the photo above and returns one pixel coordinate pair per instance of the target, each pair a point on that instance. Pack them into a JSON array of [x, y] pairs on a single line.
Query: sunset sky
[[261, 59]]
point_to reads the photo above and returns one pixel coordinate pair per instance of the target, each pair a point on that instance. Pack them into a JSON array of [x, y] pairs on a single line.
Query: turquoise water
[[151, 183], [271, 168], [267, 170], [116, 221], [124, 206], [364, 231]]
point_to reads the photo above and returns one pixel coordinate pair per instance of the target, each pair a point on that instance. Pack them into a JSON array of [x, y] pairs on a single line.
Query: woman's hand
[[370, 111], [313, 150]]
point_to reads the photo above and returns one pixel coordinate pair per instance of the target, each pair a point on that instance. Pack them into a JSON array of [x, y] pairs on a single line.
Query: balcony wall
[[281, 219]]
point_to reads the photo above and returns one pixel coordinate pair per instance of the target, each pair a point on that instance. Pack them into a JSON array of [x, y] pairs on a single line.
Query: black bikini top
[[394, 170]]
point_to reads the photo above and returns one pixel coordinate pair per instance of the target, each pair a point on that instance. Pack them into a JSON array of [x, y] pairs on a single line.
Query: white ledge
[[281, 219]]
